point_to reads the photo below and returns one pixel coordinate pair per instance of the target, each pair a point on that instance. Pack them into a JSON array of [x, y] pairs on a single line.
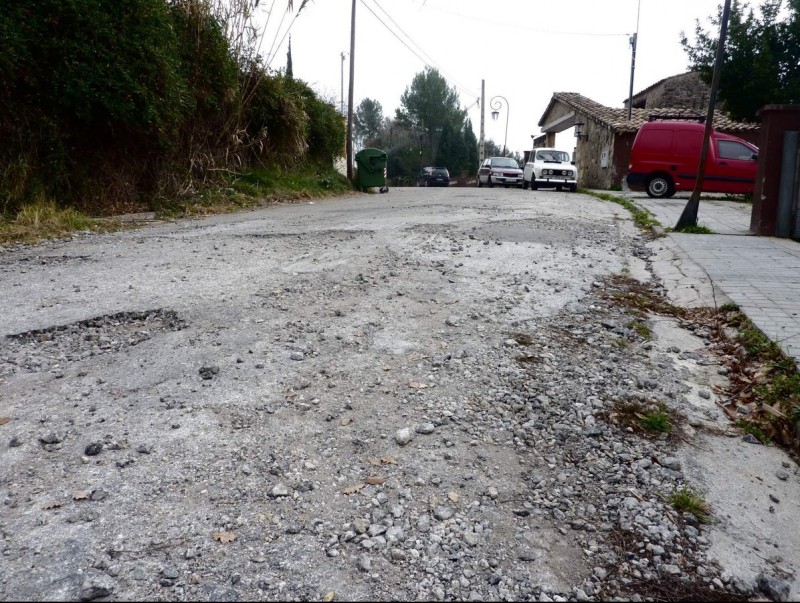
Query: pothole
[[48, 349]]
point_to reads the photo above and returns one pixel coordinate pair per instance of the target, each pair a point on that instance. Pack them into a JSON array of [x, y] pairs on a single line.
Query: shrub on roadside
[[105, 106]]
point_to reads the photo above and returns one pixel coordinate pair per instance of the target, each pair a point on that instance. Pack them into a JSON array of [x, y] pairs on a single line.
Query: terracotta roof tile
[[617, 119]]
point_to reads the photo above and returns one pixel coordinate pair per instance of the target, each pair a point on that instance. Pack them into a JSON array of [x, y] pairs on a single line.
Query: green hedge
[[106, 104]]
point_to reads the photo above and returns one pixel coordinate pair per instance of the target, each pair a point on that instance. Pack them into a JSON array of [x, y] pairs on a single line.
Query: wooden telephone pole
[[349, 147], [689, 215]]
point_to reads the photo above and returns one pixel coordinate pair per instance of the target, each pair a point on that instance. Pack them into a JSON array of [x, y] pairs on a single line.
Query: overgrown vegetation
[[766, 383], [255, 188], [643, 417], [641, 217], [754, 430], [111, 107], [638, 296], [686, 500], [43, 220], [694, 229], [763, 398], [661, 586], [657, 421], [642, 329]]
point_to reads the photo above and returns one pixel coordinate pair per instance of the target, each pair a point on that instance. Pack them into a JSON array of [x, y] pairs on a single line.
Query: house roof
[[617, 119]]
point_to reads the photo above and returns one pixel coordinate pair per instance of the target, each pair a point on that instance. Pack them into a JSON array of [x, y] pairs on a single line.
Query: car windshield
[[554, 156], [504, 162]]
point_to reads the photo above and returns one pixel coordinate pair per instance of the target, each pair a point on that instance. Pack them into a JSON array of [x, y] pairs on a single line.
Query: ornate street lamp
[[496, 105]]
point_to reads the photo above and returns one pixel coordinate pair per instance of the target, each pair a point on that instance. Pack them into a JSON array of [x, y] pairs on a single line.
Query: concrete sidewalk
[[760, 274]]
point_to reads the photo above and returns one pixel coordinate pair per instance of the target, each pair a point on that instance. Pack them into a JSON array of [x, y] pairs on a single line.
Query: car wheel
[[427, 183], [573, 188], [660, 186], [480, 184], [524, 184], [489, 182], [534, 186]]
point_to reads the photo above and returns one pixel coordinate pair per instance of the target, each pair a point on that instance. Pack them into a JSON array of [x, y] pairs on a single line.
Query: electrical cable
[[530, 29], [414, 52], [432, 62]]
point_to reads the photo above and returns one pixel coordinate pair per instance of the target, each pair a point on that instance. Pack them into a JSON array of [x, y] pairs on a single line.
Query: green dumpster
[[371, 165]]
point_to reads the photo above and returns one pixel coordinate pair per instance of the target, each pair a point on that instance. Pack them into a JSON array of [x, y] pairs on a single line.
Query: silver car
[[500, 170]]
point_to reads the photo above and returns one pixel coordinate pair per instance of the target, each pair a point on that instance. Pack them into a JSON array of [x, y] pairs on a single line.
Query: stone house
[[602, 149], [684, 90]]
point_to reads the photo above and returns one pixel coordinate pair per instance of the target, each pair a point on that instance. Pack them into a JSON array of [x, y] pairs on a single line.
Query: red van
[[665, 156]]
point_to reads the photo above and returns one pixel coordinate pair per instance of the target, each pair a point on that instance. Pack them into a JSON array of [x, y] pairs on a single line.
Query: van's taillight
[[630, 166]]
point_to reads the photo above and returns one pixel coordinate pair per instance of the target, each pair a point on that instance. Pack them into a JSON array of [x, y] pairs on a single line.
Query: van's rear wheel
[[660, 186]]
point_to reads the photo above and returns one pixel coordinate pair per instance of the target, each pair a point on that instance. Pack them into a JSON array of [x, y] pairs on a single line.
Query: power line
[[463, 88], [530, 29], [414, 52]]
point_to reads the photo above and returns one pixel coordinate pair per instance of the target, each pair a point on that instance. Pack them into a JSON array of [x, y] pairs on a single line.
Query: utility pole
[[481, 143], [350, 95], [633, 41], [342, 94], [689, 215]]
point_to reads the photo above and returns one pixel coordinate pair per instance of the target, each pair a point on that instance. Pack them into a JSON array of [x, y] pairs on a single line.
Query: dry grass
[[43, 220]]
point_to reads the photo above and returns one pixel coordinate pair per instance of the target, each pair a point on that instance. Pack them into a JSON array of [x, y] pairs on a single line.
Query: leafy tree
[[471, 141], [428, 104], [451, 151], [458, 149], [762, 56], [367, 119], [491, 149], [289, 70]]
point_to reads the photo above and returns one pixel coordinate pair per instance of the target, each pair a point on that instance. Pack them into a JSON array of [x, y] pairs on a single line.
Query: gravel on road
[[418, 395]]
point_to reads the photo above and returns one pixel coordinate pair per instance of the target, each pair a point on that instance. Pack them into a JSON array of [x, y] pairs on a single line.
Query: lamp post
[[496, 105]]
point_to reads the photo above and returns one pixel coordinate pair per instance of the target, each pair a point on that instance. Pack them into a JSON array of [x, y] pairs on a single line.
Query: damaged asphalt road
[[417, 395]]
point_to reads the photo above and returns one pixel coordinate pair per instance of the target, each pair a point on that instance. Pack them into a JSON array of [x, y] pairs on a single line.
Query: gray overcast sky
[[524, 50]]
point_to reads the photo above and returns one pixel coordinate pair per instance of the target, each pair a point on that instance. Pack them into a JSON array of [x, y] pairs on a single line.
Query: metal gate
[[788, 222]]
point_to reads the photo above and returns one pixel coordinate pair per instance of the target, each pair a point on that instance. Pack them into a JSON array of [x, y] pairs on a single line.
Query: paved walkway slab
[[760, 274]]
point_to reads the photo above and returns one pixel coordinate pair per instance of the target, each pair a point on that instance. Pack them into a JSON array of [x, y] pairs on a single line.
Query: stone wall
[[686, 91], [558, 111], [595, 156]]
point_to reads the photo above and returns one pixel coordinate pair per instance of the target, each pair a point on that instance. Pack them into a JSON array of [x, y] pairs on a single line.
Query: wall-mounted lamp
[[579, 131]]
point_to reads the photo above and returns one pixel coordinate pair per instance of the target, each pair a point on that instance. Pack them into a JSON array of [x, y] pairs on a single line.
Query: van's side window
[[729, 149]]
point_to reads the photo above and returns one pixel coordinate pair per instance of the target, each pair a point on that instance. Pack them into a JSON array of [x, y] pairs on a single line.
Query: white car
[[550, 168]]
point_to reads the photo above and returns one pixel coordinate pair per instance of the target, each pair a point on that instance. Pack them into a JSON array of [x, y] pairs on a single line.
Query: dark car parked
[[433, 176]]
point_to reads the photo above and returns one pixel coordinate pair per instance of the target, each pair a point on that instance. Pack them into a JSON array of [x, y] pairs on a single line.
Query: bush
[[105, 106], [80, 77], [293, 122]]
